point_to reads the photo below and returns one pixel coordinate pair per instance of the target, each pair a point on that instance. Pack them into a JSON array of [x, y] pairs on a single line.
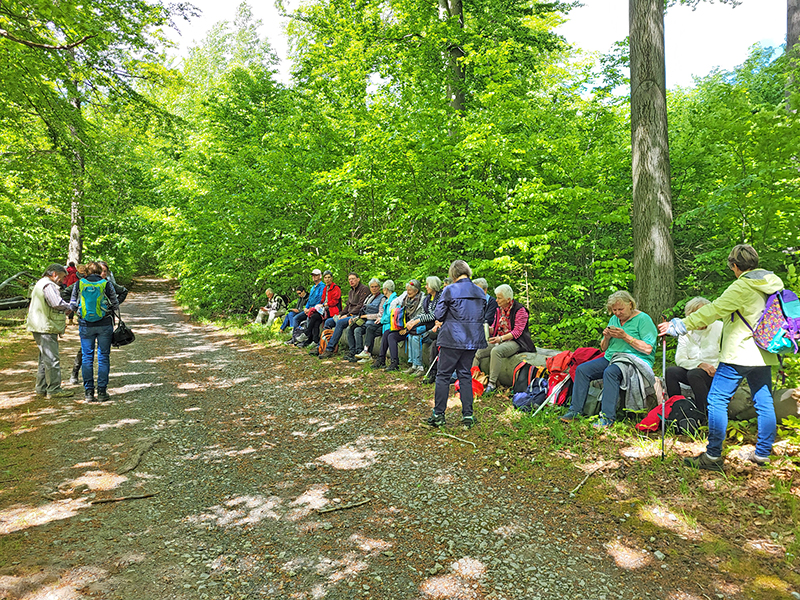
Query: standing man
[[46, 321], [355, 302]]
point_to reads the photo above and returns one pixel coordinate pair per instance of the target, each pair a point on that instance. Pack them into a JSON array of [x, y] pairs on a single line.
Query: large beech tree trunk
[[75, 155], [455, 81], [653, 262], [792, 39]]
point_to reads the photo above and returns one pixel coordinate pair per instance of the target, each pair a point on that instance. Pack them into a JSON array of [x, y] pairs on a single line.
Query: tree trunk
[[653, 263], [455, 81], [75, 155]]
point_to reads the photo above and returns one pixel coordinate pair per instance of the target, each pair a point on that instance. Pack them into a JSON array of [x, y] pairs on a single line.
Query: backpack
[[559, 383], [533, 396], [324, 338], [524, 373], [778, 328], [479, 381], [397, 318], [93, 301]]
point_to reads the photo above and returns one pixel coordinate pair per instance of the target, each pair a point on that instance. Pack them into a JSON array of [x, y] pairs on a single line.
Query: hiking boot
[[410, 370], [74, 377], [704, 461], [394, 365], [418, 372], [570, 416], [435, 420], [102, 395], [489, 389], [362, 354], [469, 421], [314, 351], [761, 461], [88, 396], [40, 394], [61, 394], [326, 354], [379, 363]]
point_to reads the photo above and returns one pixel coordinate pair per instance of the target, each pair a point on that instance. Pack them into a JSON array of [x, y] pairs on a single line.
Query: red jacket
[[72, 276], [331, 295]]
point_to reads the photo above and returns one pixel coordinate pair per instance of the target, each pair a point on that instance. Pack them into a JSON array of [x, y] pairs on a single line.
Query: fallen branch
[[590, 473], [136, 458], [343, 506], [457, 438], [122, 498]]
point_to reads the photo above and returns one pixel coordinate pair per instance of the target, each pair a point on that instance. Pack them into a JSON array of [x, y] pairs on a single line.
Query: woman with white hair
[[629, 331], [410, 302], [357, 326], [697, 358], [508, 335], [419, 327], [377, 323]]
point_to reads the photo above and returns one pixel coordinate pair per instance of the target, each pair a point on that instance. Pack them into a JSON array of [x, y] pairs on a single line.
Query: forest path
[[242, 445]]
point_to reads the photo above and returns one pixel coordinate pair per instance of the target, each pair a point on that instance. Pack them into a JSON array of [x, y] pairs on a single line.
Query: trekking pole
[[663, 403], [433, 363]]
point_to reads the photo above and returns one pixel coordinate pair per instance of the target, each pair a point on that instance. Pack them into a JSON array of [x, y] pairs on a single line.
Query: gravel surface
[[245, 447]]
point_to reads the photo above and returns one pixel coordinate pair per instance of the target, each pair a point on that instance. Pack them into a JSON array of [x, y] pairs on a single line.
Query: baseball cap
[[316, 272]]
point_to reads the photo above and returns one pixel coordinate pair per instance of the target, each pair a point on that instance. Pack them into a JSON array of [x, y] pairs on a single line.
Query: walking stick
[[433, 363], [663, 403]]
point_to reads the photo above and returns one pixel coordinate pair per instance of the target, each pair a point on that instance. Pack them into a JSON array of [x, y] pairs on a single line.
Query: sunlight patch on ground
[[369, 546], [69, 585], [644, 448], [192, 409], [765, 546], [135, 387], [117, 425], [310, 500], [444, 479], [8, 401], [98, 480], [469, 568], [508, 530], [628, 557], [352, 456], [679, 595], [240, 511], [661, 517], [350, 565], [17, 518], [85, 465]]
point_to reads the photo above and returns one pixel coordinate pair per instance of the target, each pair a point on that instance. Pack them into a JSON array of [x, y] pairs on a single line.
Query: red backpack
[[558, 367]]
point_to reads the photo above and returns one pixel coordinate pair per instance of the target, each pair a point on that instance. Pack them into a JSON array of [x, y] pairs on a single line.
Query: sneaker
[[365, 361], [314, 352], [61, 394], [362, 354], [761, 461], [410, 370], [102, 395], [704, 461], [289, 343], [379, 363], [602, 423], [326, 354], [348, 358], [393, 366], [569, 417], [435, 420], [40, 394], [489, 389], [418, 372], [469, 422]]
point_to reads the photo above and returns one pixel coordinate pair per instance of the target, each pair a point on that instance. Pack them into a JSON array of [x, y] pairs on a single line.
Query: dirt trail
[[243, 447]]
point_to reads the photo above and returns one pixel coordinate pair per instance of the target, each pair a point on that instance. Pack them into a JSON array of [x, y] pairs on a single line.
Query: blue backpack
[[93, 302], [534, 396]]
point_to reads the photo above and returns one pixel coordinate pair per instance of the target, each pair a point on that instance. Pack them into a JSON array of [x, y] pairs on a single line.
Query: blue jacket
[[461, 310], [491, 309], [315, 295]]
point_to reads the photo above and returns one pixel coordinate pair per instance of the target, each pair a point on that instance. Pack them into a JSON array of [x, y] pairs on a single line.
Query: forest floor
[[271, 474]]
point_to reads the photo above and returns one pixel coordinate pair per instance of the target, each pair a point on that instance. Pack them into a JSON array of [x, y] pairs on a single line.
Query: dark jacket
[[461, 310], [355, 299], [491, 310], [524, 341], [113, 303]]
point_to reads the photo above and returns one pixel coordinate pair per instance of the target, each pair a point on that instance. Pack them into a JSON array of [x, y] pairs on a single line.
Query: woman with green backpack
[[94, 300]]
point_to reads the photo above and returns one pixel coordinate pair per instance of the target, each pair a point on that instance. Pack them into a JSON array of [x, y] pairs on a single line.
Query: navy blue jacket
[[461, 310], [491, 310]]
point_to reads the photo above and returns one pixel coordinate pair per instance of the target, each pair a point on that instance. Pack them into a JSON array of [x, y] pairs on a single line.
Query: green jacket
[[748, 294]]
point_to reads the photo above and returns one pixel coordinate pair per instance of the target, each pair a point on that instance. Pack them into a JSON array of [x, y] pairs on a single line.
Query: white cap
[[316, 272]]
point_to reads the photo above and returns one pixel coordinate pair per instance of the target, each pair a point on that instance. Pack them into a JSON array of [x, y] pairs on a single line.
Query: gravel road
[[245, 448]]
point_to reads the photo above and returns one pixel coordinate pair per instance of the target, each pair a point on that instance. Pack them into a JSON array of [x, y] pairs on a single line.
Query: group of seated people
[[376, 311]]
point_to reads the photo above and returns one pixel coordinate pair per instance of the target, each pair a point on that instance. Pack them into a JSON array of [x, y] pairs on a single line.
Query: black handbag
[[123, 335]]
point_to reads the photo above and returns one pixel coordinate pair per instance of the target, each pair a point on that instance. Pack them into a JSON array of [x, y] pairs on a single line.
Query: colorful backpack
[[93, 302], [778, 327], [524, 373], [397, 318]]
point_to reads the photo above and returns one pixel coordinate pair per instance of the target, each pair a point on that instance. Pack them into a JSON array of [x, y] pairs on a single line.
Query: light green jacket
[[748, 294], [43, 318]]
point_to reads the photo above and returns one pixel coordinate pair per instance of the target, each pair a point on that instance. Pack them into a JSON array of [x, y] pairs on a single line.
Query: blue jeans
[[90, 334], [414, 348], [726, 380], [599, 368], [338, 330]]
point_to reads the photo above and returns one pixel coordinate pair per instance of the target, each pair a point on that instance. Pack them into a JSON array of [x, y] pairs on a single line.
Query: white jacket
[[699, 346]]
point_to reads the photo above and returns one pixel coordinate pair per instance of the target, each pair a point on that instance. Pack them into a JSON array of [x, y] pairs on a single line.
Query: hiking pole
[[428, 372], [663, 403]]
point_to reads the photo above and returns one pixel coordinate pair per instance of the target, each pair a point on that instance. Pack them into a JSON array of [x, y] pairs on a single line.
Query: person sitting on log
[[420, 327], [410, 303], [696, 359], [377, 323], [508, 335], [357, 326], [355, 302]]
